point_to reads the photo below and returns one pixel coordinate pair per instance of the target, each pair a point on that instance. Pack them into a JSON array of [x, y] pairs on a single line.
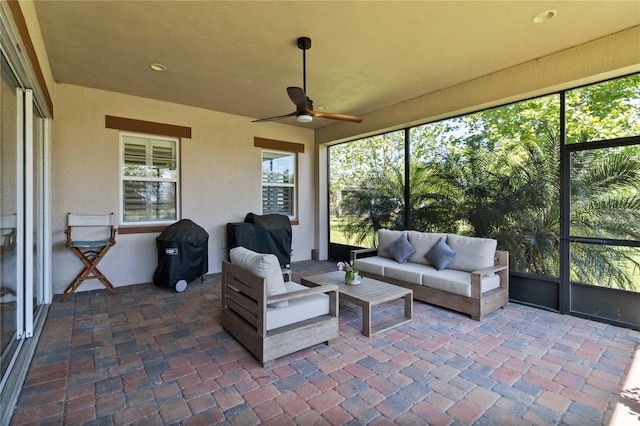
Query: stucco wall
[[220, 177]]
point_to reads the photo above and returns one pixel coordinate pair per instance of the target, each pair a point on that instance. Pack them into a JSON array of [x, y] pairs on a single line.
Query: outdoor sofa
[[464, 274]]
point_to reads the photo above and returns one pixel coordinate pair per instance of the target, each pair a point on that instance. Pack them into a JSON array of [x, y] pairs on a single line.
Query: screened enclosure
[[555, 179]]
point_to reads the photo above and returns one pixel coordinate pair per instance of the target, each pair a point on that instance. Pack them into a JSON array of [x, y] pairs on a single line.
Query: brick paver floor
[[148, 355]]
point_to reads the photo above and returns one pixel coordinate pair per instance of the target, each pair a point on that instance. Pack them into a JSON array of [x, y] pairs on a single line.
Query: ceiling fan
[[304, 106]]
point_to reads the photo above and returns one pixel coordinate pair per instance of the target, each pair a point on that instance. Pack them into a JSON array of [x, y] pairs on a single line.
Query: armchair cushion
[[299, 309], [264, 266]]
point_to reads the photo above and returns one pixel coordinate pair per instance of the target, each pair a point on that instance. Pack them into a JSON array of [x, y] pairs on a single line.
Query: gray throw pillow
[[440, 255], [401, 249]]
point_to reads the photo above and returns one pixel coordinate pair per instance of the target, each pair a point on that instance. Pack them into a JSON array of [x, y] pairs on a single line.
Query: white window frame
[[293, 185], [124, 178]]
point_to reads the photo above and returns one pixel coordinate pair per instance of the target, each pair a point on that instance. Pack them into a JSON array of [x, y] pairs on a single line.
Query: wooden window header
[[149, 229], [23, 31], [278, 145], [150, 127]]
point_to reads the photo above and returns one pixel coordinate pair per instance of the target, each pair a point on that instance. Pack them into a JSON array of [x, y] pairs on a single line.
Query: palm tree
[[510, 194], [605, 203], [377, 204]]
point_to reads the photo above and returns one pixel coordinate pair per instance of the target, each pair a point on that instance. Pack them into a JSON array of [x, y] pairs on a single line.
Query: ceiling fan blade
[[334, 116], [298, 98], [277, 117]]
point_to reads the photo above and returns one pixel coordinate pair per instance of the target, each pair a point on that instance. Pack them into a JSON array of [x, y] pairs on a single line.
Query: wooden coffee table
[[366, 295]]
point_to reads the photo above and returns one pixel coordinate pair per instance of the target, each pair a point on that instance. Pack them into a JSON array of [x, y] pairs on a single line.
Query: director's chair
[[90, 237]]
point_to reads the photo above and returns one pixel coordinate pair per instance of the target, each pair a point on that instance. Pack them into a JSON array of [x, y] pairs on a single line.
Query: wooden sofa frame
[[476, 306], [244, 314]]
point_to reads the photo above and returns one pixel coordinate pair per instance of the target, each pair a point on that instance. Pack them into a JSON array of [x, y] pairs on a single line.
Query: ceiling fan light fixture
[[304, 117], [545, 16]]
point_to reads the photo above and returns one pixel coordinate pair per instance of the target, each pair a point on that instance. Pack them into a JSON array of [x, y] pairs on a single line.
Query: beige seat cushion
[[299, 309], [374, 265], [264, 266], [408, 272], [457, 282]]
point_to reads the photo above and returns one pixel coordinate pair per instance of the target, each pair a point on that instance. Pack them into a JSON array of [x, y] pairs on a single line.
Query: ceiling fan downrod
[[304, 43]]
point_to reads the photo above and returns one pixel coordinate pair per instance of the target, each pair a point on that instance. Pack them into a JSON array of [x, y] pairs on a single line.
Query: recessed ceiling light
[[545, 16], [322, 107], [158, 67]]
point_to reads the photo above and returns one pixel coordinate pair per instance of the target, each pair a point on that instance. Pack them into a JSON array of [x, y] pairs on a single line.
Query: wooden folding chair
[[90, 237]]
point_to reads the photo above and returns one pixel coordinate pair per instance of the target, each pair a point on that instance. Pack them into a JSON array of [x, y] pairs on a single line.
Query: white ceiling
[[239, 56]]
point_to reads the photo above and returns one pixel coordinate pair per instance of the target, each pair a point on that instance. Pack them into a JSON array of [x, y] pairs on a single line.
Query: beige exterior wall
[[220, 179]]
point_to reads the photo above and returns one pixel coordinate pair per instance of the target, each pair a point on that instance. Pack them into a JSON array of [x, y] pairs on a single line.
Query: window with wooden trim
[[279, 182], [149, 171]]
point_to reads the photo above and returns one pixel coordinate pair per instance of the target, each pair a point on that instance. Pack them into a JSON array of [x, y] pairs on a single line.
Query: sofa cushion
[[299, 309], [423, 242], [386, 237], [264, 266], [457, 282], [408, 272], [441, 255], [374, 265], [472, 253], [401, 249]]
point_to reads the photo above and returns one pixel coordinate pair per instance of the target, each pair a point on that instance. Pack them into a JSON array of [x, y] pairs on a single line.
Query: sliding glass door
[[23, 241], [9, 313]]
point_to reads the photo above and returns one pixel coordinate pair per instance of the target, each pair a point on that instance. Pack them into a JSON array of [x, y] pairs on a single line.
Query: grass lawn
[[336, 232]]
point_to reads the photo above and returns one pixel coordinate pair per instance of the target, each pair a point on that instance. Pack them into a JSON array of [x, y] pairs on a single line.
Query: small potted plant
[[350, 275]]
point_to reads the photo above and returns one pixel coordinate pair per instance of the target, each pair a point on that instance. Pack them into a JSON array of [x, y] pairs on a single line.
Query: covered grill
[[183, 255], [270, 233]]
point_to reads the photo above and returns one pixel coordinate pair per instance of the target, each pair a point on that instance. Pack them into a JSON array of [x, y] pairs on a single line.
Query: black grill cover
[[269, 233], [183, 254]]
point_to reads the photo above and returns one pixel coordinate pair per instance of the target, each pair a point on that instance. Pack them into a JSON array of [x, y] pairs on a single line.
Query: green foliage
[[604, 111], [500, 188]]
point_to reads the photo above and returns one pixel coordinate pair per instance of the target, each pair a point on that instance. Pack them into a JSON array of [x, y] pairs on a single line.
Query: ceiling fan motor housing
[[304, 43]]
